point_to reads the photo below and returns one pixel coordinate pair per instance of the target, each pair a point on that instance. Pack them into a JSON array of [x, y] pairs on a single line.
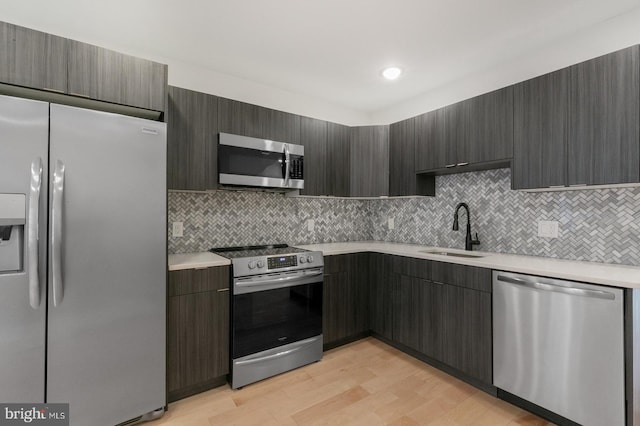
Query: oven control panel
[[276, 262]]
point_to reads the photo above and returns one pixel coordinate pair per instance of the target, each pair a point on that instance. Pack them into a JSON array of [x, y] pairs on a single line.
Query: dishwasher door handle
[[574, 291]]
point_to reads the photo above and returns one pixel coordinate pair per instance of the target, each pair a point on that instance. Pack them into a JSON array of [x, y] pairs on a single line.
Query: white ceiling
[[326, 51]]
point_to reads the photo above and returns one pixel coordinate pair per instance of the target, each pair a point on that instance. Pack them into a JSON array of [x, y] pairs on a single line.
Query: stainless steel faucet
[[468, 242]]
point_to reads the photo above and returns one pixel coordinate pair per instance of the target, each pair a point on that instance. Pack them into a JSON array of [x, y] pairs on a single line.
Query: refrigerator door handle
[[56, 233], [32, 232]]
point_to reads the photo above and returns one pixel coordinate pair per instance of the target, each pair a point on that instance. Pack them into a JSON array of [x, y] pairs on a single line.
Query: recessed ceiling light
[[391, 73]]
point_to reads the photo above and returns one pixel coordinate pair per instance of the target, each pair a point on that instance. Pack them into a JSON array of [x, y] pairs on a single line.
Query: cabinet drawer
[[410, 266], [189, 281], [460, 275]]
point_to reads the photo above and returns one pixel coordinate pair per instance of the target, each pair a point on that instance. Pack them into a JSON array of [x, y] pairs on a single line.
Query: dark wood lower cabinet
[[438, 310], [197, 330], [466, 331], [382, 283], [345, 299]]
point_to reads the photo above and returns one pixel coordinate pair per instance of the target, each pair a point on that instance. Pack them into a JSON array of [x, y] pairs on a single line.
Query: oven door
[[246, 161], [276, 309]]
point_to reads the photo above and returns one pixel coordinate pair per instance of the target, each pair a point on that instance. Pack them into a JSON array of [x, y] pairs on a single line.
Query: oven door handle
[[301, 345], [272, 281]]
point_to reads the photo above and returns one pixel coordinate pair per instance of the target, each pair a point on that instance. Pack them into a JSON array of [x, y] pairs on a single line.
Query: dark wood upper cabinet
[[604, 105], [431, 145], [32, 58], [540, 131], [338, 160], [106, 75], [465, 135], [280, 126], [401, 157], [369, 161], [192, 140], [239, 118], [313, 136], [487, 128], [403, 179], [197, 330]]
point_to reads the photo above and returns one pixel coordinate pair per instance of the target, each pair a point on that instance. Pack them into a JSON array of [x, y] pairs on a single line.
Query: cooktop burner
[[254, 251]]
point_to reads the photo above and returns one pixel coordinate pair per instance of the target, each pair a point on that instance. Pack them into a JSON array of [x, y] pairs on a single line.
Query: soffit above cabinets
[[329, 50]]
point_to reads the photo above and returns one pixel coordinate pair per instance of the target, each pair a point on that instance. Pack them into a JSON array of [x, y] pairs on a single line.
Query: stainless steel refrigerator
[[82, 261]]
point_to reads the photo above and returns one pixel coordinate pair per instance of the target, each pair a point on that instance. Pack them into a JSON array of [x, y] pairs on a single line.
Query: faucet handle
[[475, 241]]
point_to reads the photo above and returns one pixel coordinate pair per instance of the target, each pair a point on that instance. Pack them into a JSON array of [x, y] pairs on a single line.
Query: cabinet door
[[192, 140], [382, 288], [403, 179], [430, 151], [369, 161], [338, 174], [110, 76], [198, 330], [401, 157], [314, 138], [408, 312], [280, 126], [432, 300], [487, 128], [239, 118], [604, 144], [345, 297], [467, 343], [32, 58], [540, 116]]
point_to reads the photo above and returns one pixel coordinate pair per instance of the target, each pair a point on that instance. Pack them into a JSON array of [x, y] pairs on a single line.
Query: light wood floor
[[364, 383]]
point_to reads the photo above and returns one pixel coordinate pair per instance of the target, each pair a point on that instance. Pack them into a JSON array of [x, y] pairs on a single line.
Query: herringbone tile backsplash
[[595, 225]]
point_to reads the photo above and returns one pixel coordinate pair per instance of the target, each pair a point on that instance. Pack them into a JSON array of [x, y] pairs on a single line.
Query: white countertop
[[196, 260], [592, 272], [597, 273]]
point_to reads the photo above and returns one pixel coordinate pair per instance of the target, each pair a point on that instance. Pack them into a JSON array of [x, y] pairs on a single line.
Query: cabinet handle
[[556, 186], [578, 184], [222, 290], [448, 166], [462, 164], [53, 90]]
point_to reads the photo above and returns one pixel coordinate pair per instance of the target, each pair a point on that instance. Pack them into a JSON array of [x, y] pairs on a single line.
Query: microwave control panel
[[296, 167]]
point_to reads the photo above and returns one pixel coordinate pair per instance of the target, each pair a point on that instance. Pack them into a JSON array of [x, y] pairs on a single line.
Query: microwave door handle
[[287, 159]]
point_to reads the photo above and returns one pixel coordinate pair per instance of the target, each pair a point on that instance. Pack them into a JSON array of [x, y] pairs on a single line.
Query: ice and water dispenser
[[12, 221]]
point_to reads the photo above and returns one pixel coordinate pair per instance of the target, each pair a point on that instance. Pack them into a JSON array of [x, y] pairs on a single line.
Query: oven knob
[[303, 259], [260, 263], [309, 258], [252, 264]]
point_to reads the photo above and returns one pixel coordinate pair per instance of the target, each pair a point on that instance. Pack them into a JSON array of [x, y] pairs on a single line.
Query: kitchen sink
[[451, 253]]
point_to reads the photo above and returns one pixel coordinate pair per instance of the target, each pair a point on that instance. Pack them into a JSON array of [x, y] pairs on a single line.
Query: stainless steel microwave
[[253, 162]]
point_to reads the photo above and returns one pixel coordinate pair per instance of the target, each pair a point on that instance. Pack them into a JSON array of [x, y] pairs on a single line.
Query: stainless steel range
[[276, 312]]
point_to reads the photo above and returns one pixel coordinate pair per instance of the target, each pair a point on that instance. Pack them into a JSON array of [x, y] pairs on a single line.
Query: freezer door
[[24, 134], [106, 334]]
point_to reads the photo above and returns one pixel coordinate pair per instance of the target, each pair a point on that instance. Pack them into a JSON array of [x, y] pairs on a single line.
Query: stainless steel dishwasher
[[560, 345]]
